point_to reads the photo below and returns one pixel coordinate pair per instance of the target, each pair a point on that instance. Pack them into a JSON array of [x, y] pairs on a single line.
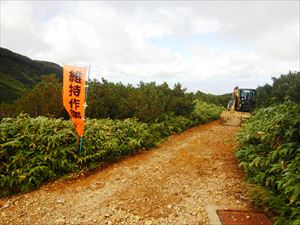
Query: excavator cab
[[247, 100]]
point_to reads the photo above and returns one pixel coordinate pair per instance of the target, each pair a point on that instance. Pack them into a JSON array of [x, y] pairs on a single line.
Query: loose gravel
[[170, 184]]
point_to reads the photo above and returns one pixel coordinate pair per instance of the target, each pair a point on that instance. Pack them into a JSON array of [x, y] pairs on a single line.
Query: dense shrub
[[269, 152], [45, 99], [36, 150], [286, 87], [204, 112], [221, 100], [146, 101]]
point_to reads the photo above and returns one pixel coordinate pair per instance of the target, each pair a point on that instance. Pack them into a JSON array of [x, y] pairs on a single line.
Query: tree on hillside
[[147, 101], [264, 95], [286, 87], [44, 99], [215, 99]]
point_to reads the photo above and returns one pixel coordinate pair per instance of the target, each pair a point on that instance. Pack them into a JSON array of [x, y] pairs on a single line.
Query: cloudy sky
[[210, 46]]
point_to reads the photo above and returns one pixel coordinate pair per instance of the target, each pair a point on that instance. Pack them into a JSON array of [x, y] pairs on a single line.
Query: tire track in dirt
[[171, 184]]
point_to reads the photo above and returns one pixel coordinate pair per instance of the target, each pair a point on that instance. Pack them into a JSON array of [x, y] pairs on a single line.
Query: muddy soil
[[170, 184]]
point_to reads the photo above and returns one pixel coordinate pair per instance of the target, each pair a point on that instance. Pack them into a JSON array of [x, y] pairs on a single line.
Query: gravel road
[[170, 184]]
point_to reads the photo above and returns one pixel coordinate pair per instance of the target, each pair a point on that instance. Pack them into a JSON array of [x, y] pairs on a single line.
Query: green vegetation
[[45, 98], [36, 150], [286, 87], [147, 102], [19, 74], [215, 99], [270, 155], [269, 149], [204, 112]]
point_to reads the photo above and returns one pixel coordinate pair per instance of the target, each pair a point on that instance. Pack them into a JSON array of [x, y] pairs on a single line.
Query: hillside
[[19, 73]]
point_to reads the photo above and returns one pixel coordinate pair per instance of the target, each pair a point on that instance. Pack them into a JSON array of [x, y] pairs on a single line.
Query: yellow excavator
[[235, 116]]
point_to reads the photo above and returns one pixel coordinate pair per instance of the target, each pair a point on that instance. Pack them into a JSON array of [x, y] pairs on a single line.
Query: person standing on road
[[235, 99]]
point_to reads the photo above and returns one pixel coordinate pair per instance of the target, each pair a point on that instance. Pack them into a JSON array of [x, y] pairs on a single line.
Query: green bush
[[204, 112], [285, 87], [269, 152], [36, 150]]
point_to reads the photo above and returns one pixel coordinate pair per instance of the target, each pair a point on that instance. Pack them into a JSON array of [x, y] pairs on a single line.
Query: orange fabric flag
[[74, 84]]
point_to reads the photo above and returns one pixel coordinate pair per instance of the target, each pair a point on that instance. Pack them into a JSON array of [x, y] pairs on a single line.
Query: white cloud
[[282, 43], [19, 31], [253, 41]]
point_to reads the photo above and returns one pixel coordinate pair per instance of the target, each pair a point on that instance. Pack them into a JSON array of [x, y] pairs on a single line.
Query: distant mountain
[[19, 73]]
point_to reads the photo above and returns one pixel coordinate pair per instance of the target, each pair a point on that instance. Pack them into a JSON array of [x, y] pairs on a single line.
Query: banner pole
[[80, 145], [85, 104]]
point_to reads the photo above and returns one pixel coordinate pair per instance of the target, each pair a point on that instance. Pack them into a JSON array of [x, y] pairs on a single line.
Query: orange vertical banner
[[74, 84]]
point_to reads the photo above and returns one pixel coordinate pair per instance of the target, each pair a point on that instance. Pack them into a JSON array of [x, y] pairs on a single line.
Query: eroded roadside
[[171, 184]]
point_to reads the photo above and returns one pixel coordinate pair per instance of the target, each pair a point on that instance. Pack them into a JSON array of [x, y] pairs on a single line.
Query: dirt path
[[171, 184]]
